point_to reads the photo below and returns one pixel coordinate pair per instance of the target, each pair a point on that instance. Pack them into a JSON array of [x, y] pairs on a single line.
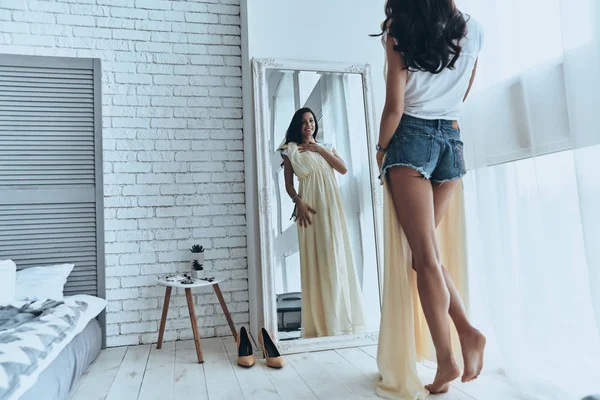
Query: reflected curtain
[[344, 125], [336, 131]]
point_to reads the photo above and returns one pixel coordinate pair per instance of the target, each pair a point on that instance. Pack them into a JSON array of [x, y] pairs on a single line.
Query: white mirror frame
[[264, 189]]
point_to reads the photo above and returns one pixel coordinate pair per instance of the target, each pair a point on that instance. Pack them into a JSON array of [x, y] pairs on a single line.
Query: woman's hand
[[303, 213], [310, 147], [380, 156]]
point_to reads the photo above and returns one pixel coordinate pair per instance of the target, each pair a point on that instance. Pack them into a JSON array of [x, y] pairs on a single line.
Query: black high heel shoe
[[274, 359], [245, 355]]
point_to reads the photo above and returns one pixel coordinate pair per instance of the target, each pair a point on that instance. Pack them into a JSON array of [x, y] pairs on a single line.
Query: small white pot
[[195, 274]]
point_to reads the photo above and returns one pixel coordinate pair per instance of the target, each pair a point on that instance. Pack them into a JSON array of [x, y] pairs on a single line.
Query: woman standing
[[432, 51], [331, 296]]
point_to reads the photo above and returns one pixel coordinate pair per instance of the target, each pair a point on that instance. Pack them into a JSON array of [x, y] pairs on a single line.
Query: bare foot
[[472, 345], [446, 373]]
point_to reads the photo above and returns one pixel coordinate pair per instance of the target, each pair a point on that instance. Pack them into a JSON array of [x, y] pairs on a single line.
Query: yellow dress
[[332, 301], [404, 337]]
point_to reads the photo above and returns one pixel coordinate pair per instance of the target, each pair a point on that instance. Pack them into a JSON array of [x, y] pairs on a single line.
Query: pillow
[[37, 283], [8, 271]]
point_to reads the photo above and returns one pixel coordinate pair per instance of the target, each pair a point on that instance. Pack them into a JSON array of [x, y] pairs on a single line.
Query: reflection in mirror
[[322, 224]]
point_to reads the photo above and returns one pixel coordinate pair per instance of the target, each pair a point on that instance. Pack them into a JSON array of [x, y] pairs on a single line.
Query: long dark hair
[[294, 131], [427, 32]]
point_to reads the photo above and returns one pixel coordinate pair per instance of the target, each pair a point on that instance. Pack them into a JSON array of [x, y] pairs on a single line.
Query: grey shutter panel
[[51, 195]]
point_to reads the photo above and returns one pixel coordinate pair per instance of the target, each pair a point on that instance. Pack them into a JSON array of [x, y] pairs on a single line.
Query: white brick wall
[[173, 148]]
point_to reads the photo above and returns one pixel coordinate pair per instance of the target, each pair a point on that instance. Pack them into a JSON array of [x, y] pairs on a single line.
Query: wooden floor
[[145, 373]]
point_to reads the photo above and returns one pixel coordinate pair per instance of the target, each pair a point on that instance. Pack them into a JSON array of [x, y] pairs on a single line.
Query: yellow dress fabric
[[332, 301], [404, 337]]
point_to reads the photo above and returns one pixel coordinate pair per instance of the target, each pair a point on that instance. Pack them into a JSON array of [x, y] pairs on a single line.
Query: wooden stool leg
[[163, 320], [225, 310], [194, 321]]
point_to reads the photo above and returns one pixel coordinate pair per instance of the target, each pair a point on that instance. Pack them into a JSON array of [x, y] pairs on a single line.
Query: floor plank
[[102, 372], [190, 383], [360, 385], [172, 373], [370, 350], [159, 377], [323, 385], [221, 381], [254, 382], [128, 380], [490, 387], [361, 360], [287, 382]]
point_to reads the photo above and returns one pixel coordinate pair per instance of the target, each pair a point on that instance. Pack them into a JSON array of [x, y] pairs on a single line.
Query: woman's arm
[[330, 156], [303, 210], [394, 94], [288, 174], [334, 160], [471, 81]]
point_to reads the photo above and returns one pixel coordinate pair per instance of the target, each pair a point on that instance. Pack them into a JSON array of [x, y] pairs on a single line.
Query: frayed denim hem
[[448, 180], [418, 169]]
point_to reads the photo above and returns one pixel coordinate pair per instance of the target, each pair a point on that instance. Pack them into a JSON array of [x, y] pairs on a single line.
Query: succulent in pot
[[197, 260]]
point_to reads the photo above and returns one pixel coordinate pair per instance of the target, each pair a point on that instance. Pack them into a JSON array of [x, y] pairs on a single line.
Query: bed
[[47, 340], [57, 381]]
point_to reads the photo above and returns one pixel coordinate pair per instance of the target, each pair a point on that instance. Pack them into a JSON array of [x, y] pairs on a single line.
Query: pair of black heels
[[246, 355]]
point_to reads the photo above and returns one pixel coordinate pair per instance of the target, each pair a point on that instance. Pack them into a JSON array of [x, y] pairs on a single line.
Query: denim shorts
[[431, 147]]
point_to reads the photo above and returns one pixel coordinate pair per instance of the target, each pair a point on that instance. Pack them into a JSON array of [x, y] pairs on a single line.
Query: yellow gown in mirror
[[332, 301]]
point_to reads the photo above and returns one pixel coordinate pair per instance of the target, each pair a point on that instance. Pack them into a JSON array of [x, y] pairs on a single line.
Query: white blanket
[[28, 349]]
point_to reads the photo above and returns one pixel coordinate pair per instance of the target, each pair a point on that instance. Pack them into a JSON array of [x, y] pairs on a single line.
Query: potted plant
[[196, 268], [197, 260]]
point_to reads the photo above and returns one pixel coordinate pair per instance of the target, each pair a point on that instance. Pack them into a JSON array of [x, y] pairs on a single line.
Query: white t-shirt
[[440, 96]]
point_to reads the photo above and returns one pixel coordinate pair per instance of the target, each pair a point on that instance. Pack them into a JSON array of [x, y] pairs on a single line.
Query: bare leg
[[413, 202], [471, 340]]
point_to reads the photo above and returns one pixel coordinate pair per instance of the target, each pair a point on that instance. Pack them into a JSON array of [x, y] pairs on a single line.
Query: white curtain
[[532, 196], [336, 131], [344, 125]]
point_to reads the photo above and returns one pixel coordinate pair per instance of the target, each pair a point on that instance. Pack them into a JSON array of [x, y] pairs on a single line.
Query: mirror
[[324, 277]]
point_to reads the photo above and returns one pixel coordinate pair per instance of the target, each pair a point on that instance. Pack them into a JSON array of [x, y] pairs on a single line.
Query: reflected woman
[[331, 296]]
